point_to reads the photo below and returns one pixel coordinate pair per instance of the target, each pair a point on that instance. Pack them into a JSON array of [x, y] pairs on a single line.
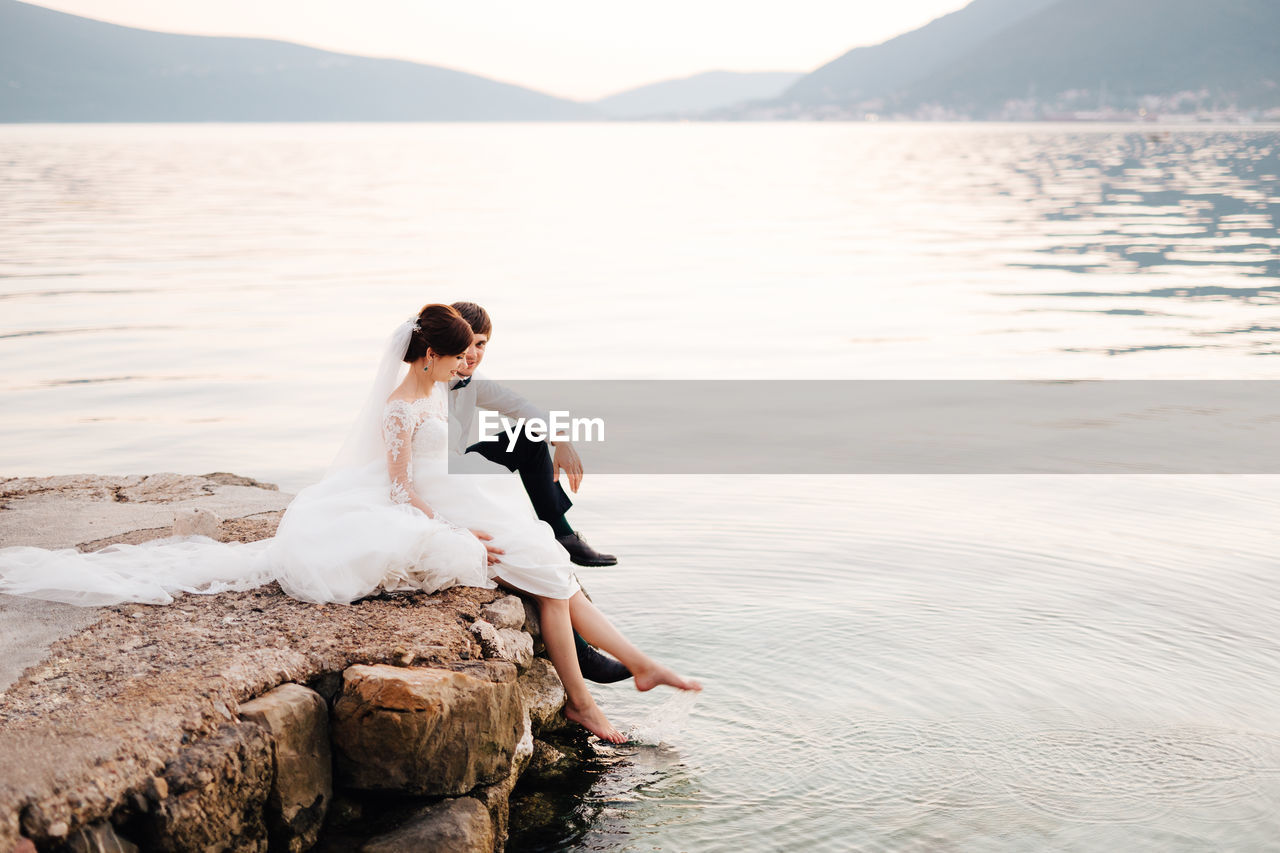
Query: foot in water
[[593, 720], [659, 674]]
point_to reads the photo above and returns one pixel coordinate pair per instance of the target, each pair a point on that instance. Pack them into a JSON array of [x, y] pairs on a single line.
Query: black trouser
[[532, 461]]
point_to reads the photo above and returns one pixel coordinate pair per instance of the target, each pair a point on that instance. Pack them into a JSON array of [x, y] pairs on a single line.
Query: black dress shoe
[[583, 554], [596, 666]]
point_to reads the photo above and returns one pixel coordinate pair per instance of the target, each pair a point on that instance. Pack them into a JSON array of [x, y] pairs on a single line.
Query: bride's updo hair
[[440, 327]]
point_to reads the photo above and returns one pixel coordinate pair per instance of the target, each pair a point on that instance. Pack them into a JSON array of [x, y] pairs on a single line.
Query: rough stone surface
[[126, 720], [74, 510], [114, 694], [489, 670], [543, 696], [28, 627], [451, 826], [302, 783], [99, 838], [504, 643], [545, 757], [532, 624], [506, 612], [497, 797], [424, 731], [89, 512], [213, 795], [196, 522]]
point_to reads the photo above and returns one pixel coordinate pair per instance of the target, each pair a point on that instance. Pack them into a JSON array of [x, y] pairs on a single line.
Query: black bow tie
[[462, 383]]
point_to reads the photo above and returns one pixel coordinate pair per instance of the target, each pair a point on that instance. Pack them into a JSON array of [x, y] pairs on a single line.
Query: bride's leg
[[557, 635], [597, 630]]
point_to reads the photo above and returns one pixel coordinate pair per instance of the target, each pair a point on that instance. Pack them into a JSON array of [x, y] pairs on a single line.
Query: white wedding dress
[[353, 533], [345, 537]]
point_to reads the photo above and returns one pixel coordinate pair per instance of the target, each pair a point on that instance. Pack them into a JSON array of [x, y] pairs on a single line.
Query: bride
[[387, 516]]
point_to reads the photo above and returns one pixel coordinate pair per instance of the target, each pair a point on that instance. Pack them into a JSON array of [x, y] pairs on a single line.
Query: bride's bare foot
[[593, 720], [659, 674]]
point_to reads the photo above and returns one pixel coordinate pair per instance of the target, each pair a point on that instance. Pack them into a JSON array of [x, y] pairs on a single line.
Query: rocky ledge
[[237, 721]]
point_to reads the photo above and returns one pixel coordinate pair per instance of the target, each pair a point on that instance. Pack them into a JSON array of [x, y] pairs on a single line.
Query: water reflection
[[1146, 202], [1195, 213], [997, 664]]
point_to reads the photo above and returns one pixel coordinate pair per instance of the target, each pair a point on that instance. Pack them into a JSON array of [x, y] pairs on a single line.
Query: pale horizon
[[572, 49]]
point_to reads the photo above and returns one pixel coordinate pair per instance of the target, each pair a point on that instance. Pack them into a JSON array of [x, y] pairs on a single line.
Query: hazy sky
[[581, 49]]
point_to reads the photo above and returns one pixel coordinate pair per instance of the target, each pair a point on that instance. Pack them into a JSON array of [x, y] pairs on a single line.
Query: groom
[[539, 472]]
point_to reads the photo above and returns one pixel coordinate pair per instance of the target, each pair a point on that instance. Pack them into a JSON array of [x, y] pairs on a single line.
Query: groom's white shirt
[[483, 393]]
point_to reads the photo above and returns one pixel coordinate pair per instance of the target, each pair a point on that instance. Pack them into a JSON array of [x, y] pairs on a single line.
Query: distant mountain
[[1112, 53], [1035, 58], [865, 73], [707, 91], [56, 67]]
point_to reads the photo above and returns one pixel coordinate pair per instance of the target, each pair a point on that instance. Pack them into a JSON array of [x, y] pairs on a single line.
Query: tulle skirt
[[343, 538], [150, 573], [475, 493], [340, 539]]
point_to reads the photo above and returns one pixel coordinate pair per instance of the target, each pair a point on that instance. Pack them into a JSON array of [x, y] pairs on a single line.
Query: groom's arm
[[495, 396], [501, 399]]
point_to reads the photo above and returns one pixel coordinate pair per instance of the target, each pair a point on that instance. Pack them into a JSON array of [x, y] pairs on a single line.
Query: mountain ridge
[[60, 67], [1058, 57], [1119, 51], [877, 70], [992, 59], [695, 93]]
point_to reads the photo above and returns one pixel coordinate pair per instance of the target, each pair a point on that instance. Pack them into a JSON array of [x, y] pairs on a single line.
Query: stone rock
[[217, 789], [497, 797], [543, 696], [162, 488], [486, 633], [96, 486], [99, 838], [489, 670], [327, 684], [156, 789], [533, 625], [506, 612], [451, 826], [195, 522], [302, 785], [546, 758], [424, 731], [46, 819], [224, 478], [504, 643], [344, 810]]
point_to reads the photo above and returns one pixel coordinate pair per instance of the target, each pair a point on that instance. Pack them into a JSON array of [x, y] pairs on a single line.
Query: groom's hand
[[567, 458]]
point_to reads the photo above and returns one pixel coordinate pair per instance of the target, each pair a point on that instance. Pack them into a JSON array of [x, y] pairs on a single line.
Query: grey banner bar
[[921, 426]]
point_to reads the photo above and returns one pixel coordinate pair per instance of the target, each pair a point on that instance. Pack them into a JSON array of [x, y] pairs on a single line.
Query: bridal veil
[[341, 538]]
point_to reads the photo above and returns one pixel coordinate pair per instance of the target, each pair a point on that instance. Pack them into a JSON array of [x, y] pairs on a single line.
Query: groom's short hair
[[477, 317]]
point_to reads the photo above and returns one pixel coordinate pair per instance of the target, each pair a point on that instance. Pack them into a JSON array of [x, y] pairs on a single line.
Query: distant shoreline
[[1180, 123]]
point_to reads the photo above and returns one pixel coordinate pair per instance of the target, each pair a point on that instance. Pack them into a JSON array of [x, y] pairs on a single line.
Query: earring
[[430, 362]]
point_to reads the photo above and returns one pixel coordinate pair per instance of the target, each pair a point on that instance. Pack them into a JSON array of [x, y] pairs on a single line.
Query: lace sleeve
[[398, 422]]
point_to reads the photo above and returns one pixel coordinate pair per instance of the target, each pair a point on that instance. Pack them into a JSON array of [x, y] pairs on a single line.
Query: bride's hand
[[485, 538]]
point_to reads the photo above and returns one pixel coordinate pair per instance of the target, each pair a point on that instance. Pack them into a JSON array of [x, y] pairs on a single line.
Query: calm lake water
[[931, 663]]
